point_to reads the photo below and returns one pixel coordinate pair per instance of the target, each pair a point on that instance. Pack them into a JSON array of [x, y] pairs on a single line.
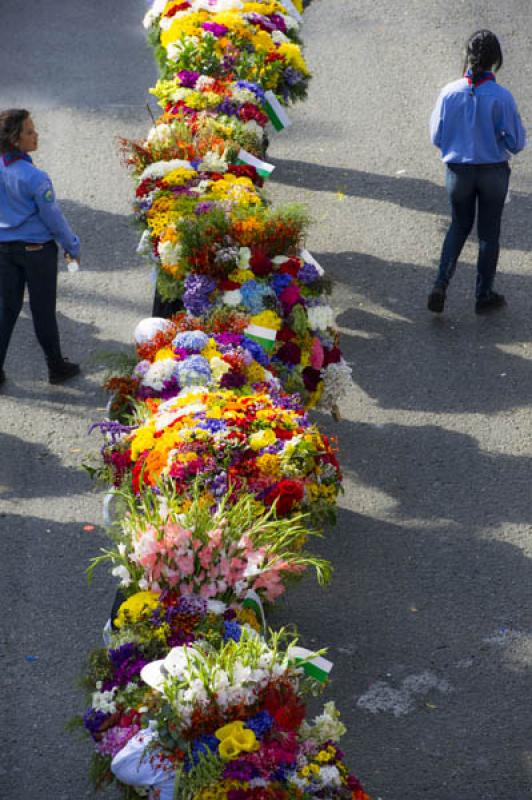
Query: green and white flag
[[278, 116], [309, 259], [263, 336], [317, 667], [263, 168], [292, 10]]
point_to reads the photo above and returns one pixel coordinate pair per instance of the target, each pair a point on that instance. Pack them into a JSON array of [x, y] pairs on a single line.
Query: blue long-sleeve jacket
[[483, 127], [29, 211]]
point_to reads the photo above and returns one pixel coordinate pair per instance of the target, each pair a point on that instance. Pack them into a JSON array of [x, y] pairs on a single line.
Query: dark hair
[[11, 123], [483, 51]]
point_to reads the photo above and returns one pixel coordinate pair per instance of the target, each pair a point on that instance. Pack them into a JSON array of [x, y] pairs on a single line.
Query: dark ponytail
[[11, 124], [483, 51]]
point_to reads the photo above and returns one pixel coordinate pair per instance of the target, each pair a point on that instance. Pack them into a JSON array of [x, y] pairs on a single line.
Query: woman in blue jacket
[[476, 125], [31, 223]]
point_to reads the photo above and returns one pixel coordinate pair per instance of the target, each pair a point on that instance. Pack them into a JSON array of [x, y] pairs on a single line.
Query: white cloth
[[133, 766]]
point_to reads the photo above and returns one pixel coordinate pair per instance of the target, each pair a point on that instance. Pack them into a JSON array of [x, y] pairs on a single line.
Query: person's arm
[[132, 764], [436, 121], [53, 218], [513, 133]]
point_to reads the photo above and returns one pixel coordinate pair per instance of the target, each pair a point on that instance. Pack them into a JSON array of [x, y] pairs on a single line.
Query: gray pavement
[[428, 616]]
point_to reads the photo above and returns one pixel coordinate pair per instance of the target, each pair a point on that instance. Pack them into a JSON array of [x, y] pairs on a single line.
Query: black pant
[[165, 308], [38, 269]]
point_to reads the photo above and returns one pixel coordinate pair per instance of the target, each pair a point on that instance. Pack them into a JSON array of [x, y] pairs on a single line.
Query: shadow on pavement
[[415, 193], [411, 605], [406, 358]]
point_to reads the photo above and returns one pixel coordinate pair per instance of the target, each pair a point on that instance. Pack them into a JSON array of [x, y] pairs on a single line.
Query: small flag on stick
[[292, 10], [278, 116], [263, 168], [263, 336], [317, 667]]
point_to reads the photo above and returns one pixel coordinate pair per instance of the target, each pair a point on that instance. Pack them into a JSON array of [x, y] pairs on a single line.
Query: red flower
[[227, 286], [260, 264], [246, 171], [291, 267], [176, 8], [286, 334], [274, 57], [290, 296], [331, 356], [283, 433], [286, 494], [286, 708], [290, 353], [248, 111], [311, 378]]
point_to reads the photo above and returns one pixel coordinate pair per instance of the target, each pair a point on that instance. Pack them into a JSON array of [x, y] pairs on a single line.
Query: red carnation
[[248, 111], [274, 57], [228, 286], [260, 264], [287, 493], [290, 353], [246, 171], [290, 296]]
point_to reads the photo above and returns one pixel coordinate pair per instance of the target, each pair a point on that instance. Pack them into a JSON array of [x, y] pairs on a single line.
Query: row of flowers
[[219, 478]]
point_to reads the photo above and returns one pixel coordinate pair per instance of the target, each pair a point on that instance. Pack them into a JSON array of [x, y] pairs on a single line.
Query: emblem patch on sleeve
[[48, 195]]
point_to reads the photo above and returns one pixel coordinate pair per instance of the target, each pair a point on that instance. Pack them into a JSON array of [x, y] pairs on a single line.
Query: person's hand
[[68, 257]]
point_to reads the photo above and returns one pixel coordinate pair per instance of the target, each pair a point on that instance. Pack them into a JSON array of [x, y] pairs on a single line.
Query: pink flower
[[316, 354], [185, 564]]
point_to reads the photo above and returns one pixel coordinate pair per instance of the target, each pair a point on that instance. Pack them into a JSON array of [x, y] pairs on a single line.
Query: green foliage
[[207, 772]]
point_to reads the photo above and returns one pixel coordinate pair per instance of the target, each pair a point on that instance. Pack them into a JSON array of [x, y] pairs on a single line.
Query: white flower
[[144, 585], [169, 253], [330, 776], [291, 23], [159, 372], [213, 162], [279, 37], [320, 317], [155, 11], [204, 82], [216, 606], [161, 168], [122, 573], [243, 96], [337, 383], [104, 701], [122, 549], [161, 135], [232, 298], [253, 127]]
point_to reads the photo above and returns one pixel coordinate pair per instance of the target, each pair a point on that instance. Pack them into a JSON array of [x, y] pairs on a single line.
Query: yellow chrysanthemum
[[136, 607], [142, 440], [190, 25], [178, 177], [262, 439], [164, 352]]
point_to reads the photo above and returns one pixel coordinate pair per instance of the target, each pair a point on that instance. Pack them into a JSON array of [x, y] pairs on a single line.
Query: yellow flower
[[262, 42], [267, 319], [136, 607], [210, 350], [254, 372], [292, 54], [182, 26], [179, 176], [164, 352], [142, 440], [262, 439], [246, 616], [242, 275], [219, 367], [269, 465], [235, 739]]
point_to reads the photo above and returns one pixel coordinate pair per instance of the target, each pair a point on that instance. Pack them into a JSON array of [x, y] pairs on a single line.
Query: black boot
[[436, 300], [60, 371], [489, 302]]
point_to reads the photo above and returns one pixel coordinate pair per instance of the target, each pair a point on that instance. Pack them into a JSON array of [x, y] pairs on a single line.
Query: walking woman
[[30, 224], [476, 125]]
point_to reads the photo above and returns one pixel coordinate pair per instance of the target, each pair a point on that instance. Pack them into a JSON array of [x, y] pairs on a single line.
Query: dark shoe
[[2, 377], [490, 302], [436, 300], [62, 371]]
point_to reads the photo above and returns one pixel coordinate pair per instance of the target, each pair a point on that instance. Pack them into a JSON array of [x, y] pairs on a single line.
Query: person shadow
[[406, 358], [414, 193]]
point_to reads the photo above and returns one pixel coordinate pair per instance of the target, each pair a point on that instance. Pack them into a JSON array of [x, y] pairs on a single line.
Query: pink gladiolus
[[316, 354]]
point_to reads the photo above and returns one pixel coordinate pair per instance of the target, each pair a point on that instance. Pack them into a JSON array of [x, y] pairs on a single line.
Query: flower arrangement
[[255, 41], [236, 552], [222, 476], [229, 443]]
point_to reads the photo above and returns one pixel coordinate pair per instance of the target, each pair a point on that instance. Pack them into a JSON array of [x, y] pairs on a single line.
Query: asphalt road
[[428, 616]]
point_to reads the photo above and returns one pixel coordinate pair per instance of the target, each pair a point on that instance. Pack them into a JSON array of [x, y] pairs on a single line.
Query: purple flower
[[227, 108], [260, 724], [233, 380], [226, 339], [252, 87], [215, 28], [188, 78], [204, 208], [239, 770], [279, 22], [92, 720], [292, 76], [308, 274], [196, 295]]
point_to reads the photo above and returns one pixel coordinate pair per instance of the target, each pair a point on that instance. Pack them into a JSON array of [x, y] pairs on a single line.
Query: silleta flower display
[[219, 480]]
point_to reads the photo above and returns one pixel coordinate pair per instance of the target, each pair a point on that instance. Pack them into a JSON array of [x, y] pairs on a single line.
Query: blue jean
[[467, 183]]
